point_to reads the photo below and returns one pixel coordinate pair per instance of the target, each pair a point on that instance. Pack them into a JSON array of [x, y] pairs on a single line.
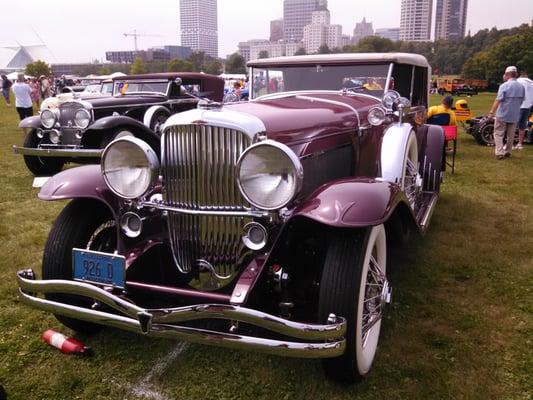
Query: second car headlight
[[269, 175], [82, 118], [48, 119], [130, 167]]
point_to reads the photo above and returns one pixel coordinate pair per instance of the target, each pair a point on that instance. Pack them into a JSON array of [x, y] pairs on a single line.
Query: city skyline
[[71, 41]]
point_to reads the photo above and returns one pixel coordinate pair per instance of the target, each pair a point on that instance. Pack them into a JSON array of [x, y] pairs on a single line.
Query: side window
[[402, 75], [420, 87]]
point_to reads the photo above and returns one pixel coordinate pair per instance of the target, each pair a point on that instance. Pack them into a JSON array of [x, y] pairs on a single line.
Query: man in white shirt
[[525, 108], [23, 101]]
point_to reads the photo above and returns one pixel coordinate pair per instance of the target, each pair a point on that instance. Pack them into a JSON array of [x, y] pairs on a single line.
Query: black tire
[[41, 166], [157, 121], [75, 226], [340, 293], [484, 134]]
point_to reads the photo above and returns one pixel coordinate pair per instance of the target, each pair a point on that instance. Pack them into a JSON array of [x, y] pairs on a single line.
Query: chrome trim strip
[[203, 211], [155, 323], [75, 153], [297, 93]]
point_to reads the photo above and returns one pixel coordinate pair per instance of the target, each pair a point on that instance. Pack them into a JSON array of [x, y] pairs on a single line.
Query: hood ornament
[[209, 105]]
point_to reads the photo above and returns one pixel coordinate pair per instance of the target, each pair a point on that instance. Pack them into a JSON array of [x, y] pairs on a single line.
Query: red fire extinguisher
[[66, 344]]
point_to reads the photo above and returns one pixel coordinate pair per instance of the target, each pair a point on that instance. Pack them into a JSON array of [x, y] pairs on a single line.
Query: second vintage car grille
[[199, 173], [67, 112]]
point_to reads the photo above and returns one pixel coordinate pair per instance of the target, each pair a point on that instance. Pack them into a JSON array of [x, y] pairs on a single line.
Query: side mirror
[[178, 81], [401, 105]]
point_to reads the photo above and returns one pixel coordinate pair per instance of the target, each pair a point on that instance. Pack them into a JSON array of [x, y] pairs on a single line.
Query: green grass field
[[460, 326]]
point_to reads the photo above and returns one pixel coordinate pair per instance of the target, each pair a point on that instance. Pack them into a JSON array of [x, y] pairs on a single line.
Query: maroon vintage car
[[76, 129], [260, 225]]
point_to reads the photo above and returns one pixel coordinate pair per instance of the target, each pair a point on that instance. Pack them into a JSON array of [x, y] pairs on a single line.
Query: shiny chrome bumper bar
[[74, 153], [318, 341]]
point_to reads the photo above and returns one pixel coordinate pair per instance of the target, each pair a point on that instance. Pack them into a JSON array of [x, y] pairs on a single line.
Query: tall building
[[388, 33], [321, 32], [199, 25], [276, 30], [296, 15], [415, 20], [362, 29], [450, 19]]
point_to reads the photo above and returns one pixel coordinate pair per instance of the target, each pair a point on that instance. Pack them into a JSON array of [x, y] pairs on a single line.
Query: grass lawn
[[460, 326]]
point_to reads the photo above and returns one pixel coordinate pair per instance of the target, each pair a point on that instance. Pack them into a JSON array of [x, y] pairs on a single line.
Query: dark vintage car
[[78, 129], [261, 225]]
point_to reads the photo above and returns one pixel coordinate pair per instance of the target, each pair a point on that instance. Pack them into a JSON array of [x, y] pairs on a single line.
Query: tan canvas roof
[[401, 58]]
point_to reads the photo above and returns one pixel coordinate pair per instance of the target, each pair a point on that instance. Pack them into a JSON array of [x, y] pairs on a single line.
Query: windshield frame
[[116, 92], [253, 70]]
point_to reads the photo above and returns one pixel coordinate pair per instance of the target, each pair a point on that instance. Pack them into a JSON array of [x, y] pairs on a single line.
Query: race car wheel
[[354, 286]]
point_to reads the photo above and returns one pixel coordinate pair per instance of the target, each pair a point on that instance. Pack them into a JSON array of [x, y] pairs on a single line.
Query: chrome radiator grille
[[199, 173], [67, 112]]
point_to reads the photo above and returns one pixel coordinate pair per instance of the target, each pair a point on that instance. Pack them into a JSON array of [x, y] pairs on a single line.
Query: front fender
[[352, 202], [81, 182], [394, 151], [111, 123], [33, 122]]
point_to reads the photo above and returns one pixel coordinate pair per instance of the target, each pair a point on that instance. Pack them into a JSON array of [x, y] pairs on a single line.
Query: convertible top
[[344, 58]]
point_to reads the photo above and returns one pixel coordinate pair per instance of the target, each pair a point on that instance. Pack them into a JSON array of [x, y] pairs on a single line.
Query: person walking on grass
[[525, 109], [6, 85], [23, 101], [510, 96]]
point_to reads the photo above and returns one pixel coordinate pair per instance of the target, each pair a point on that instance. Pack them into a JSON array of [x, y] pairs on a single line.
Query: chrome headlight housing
[[269, 175], [130, 167], [82, 118], [376, 116], [48, 119], [389, 98]]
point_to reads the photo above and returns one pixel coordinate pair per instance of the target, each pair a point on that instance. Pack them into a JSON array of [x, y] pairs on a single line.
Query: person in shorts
[[525, 109], [23, 101]]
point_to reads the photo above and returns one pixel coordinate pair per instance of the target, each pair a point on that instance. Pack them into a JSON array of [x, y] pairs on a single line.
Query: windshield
[[370, 79], [92, 88], [135, 87], [107, 87]]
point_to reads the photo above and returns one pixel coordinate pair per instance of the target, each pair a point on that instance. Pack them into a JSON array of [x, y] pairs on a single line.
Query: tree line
[[482, 56]]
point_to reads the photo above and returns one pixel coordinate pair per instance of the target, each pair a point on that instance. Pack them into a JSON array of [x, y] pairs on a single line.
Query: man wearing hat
[[507, 108]]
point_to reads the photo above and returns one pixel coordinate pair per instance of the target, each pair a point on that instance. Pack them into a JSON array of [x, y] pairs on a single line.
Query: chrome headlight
[[389, 98], [376, 116], [82, 118], [48, 119], [269, 175], [130, 167]]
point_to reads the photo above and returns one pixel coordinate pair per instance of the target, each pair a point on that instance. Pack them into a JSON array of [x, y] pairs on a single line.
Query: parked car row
[[262, 225]]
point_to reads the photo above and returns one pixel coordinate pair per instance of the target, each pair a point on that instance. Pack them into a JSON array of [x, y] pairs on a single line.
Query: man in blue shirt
[[508, 101]]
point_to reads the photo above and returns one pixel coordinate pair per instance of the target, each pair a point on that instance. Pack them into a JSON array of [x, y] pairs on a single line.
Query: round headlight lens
[[376, 116], [389, 98], [130, 167], [269, 175], [48, 119], [82, 119]]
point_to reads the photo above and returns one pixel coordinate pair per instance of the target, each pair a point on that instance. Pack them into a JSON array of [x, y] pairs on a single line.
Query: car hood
[[287, 118]]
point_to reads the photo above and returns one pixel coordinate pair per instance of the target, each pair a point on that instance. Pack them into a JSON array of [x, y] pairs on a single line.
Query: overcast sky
[[81, 31]]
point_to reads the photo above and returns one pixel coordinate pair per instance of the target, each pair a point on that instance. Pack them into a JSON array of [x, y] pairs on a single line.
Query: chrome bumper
[[316, 341], [74, 153]]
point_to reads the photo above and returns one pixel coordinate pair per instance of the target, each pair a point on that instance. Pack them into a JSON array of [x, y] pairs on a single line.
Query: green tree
[[138, 66], [179, 65], [38, 68], [104, 71], [300, 52], [375, 44], [213, 67], [263, 54], [198, 59], [324, 49], [235, 64]]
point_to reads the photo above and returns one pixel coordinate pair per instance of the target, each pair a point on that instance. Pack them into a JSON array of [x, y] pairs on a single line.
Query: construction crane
[[136, 35]]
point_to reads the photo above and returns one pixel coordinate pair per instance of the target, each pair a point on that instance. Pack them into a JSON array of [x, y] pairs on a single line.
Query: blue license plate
[[97, 267]]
